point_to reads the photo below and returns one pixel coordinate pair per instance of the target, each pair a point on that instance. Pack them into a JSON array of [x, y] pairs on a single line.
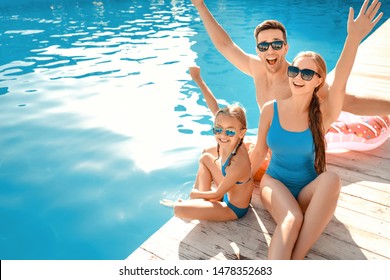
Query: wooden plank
[[331, 248], [375, 167], [213, 240], [382, 198], [362, 206]]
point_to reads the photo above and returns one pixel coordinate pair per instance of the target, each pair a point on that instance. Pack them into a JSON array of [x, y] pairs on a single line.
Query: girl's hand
[[194, 194], [196, 3], [195, 72]]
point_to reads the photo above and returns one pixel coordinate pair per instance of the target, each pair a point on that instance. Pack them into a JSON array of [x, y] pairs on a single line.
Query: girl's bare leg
[[199, 209], [209, 171]]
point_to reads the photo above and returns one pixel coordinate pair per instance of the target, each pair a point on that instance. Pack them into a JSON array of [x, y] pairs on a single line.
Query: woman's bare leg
[[318, 201], [285, 210]]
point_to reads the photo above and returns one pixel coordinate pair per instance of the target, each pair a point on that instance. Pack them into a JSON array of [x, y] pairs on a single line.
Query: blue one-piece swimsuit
[[240, 212], [292, 160]]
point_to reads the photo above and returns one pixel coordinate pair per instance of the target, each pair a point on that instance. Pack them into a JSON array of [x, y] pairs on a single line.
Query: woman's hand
[[366, 20]]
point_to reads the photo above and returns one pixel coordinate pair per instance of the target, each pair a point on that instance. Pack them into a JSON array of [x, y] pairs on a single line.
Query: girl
[[296, 189], [229, 167]]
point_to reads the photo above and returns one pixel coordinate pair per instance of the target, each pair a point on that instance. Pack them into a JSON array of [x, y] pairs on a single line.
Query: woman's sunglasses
[[306, 74], [230, 132], [276, 45]]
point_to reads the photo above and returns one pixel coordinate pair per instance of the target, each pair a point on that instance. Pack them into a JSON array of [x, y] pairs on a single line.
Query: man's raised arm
[[222, 40]]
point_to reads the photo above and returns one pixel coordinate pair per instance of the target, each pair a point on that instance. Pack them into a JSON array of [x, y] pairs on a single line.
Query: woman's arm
[[357, 30], [211, 101], [259, 152]]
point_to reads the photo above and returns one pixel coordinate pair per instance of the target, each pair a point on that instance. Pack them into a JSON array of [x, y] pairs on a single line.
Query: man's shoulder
[[255, 60], [257, 66]]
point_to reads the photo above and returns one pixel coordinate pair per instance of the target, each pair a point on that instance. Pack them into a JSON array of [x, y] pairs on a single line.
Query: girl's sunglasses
[[276, 45], [306, 74], [230, 132]]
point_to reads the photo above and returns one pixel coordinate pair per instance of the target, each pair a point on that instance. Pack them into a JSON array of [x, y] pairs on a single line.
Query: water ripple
[[23, 32]]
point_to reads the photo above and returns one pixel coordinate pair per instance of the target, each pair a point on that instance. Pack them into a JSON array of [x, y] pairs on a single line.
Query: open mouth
[[271, 61]]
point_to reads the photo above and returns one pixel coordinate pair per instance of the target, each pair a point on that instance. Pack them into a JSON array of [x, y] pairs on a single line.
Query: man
[[269, 68]]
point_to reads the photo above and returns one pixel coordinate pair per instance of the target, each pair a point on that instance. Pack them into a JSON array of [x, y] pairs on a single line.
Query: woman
[[297, 190]]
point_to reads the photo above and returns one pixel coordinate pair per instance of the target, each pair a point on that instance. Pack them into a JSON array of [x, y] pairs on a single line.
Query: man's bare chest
[[265, 93]]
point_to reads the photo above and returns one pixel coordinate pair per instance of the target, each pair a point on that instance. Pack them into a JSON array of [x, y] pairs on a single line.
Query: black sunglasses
[[306, 74], [276, 45]]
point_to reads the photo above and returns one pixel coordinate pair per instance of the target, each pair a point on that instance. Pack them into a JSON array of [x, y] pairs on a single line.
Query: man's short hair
[[271, 24]]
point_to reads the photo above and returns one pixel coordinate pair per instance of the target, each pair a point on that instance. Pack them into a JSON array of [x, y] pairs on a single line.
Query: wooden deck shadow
[[248, 239], [233, 240]]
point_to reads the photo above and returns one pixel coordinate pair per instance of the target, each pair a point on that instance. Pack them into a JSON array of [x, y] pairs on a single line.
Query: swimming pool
[[99, 118]]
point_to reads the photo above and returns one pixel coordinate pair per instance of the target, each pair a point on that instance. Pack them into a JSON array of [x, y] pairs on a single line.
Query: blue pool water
[[99, 120]]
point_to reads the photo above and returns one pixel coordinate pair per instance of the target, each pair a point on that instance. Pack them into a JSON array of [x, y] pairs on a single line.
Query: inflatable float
[[357, 133], [349, 132]]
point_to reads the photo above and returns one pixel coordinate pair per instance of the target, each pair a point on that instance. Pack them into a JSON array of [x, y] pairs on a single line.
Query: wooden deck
[[360, 227]]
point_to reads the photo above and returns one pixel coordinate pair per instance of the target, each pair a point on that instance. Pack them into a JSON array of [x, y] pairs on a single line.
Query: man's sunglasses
[[276, 45], [228, 131], [306, 74]]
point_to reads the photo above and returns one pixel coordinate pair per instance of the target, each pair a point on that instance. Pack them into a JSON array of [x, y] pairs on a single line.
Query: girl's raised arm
[[207, 93]]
